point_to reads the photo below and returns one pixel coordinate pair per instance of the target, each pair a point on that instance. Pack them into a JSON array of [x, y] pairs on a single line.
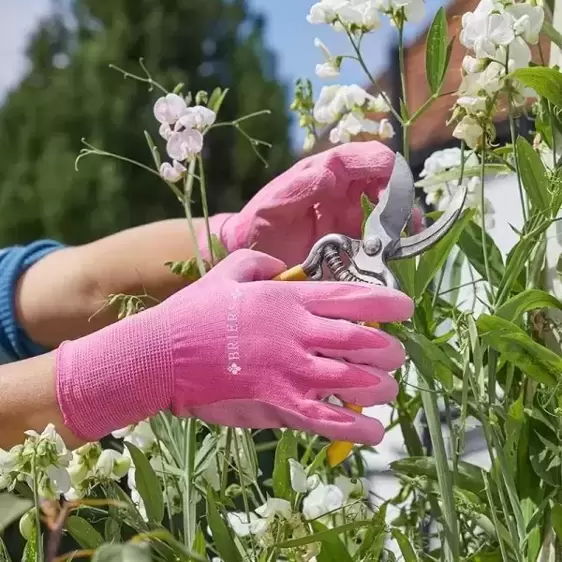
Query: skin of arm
[[60, 297], [28, 401]]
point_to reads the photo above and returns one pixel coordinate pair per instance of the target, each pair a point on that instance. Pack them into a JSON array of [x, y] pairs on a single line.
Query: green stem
[[188, 188], [483, 226], [419, 112], [203, 187], [237, 122], [405, 125], [224, 472], [357, 50], [36, 499], [189, 513], [516, 157], [444, 477]]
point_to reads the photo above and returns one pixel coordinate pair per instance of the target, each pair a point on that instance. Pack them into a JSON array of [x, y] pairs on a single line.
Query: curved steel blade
[[419, 243], [393, 211]]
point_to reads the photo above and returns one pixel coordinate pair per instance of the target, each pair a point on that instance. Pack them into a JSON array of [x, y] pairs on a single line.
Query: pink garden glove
[[318, 195], [237, 349]]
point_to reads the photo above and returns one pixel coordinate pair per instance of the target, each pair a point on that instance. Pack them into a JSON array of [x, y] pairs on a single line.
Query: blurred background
[[56, 88]]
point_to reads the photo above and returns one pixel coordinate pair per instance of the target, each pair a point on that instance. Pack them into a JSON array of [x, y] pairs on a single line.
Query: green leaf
[[537, 361], [199, 544], [333, 550], [217, 99], [434, 259], [429, 359], [147, 484], [83, 533], [405, 546], [530, 299], [318, 460], [547, 82], [375, 537], [533, 175], [467, 477], [4, 556], [12, 508], [222, 538], [286, 449], [436, 49], [324, 534], [187, 269], [153, 149], [30, 553], [367, 206], [470, 242], [219, 250], [513, 427], [405, 273], [121, 553], [556, 519]]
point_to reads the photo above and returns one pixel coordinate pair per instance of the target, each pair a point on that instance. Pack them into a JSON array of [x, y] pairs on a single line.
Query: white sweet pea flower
[[243, 525], [519, 54], [165, 131], [275, 507], [112, 465], [528, 20], [358, 488], [184, 145], [386, 130], [327, 108], [377, 104], [300, 482], [324, 11], [471, 65], [172, 173], [198, 117], [168, 109], [470, 131], [322, 500], [331, 67], [472, 104]]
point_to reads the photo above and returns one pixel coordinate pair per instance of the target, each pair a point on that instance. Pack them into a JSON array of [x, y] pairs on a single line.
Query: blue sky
[[288, 34]]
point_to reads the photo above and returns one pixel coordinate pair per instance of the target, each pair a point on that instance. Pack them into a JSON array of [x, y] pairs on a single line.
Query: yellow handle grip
[[296, 273], [338, 451]]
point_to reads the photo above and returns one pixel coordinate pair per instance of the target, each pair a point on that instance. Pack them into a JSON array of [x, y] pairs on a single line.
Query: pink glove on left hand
[[318, 195]]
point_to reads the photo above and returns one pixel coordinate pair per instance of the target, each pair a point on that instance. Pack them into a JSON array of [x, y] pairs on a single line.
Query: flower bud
[[27, 524]]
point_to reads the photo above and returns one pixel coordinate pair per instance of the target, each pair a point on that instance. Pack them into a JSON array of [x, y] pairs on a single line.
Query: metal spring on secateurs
[[336, 266]]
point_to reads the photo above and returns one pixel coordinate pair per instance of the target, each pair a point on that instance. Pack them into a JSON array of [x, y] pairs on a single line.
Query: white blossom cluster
[[363, 16], [182, 127], [498, 33], [322, 502], [41, 461], [347, 108], [440, 193]]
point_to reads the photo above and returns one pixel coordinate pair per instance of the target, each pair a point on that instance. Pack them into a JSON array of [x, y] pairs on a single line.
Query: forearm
[[61, 296], [28, 401]]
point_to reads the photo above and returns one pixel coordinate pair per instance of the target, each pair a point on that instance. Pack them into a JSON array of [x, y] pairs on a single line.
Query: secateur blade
[[382, 239]]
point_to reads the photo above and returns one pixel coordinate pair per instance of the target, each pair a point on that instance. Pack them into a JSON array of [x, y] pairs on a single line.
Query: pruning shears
[[366, 260]]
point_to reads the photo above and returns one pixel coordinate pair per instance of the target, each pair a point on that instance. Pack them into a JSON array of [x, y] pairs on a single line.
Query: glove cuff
[[117, 376]]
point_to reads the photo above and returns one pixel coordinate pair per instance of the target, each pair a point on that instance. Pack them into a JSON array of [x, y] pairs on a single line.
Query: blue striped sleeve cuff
[[14, 261]]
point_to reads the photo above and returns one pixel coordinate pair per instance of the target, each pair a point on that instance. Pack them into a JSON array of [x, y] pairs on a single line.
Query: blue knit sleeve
[[14, 261]]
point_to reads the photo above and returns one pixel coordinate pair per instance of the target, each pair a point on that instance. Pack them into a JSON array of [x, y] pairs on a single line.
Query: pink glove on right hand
[[238, 349]]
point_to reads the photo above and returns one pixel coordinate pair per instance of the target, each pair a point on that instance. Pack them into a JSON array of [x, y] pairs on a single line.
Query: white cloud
[[17, 21]]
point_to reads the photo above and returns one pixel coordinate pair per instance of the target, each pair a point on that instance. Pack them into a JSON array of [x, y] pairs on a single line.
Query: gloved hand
[[237, 349], [318, 195]]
